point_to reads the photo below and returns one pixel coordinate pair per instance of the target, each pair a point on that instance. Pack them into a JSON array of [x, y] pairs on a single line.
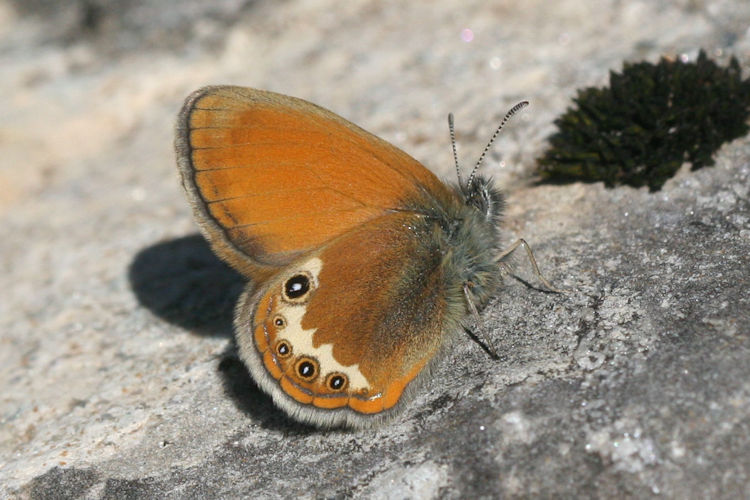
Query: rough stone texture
[[117, 373]]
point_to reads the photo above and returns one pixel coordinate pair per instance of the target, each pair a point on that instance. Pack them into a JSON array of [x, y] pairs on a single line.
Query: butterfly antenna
[[453, 145], [515, 109]]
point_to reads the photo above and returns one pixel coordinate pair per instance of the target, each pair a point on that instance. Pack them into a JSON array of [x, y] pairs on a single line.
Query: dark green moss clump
[[651, 119]]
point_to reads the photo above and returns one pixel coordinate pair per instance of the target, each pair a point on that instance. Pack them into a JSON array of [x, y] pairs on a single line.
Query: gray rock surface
[[118, 378]]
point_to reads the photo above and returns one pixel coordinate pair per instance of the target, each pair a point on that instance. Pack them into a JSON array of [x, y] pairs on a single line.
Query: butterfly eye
[[283, 349], [336, 382], [279, 322], [306, 368], [297, 288]]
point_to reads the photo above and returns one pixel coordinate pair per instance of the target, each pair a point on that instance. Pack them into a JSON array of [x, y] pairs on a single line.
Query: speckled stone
[[118, 376]]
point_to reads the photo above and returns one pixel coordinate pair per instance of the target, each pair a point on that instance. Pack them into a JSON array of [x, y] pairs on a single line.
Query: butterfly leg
[[475, 314], [521, 242]]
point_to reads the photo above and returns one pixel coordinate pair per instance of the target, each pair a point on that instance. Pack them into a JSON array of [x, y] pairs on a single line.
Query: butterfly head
[[478, 192], [483, 197], [475, 241]]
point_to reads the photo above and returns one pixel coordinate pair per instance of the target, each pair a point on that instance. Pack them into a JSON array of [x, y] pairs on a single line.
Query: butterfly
[[361, 263]]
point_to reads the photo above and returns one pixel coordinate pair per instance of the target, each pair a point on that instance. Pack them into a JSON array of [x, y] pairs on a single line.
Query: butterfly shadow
[[182, 282], [249, 399]]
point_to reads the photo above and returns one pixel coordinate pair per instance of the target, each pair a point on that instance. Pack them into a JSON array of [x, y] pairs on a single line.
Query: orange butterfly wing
[[271, 177], [370, 315]]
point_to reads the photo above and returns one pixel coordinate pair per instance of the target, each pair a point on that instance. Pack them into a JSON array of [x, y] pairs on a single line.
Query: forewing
[[272, 177]]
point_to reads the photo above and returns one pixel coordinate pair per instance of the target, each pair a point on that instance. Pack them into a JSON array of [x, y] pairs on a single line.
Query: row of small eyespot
[[307, 368]]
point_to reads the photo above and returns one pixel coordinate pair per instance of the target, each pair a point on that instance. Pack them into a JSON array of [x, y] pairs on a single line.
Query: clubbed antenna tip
[[515, 109]]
